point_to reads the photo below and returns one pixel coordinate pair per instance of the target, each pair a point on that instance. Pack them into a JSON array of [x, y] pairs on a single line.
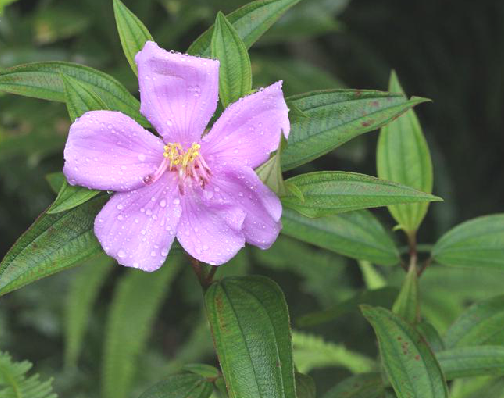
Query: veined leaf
[[42, 80], [408, 361], [80, 97], [235, 72], [250, 22], [184, 385], [312, 352], [69, 197], [403, 157], [136, 301], [478, 243], [472, 361], [132, 32], [53, 243], [250, 327], [431, 335], [356, 234], [333, 192], [383, 297], [407, 305], [364, 385], [84, 290], [481, 324], [337, 116]]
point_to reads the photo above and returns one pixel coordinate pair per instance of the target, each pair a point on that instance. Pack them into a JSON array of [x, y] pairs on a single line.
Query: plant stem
[[205, 278]]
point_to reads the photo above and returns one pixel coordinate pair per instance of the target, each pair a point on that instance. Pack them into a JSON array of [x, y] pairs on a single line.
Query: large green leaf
[[184, 385], [333, 192], [481, 324], [250, 327], [356, 234], [235, 72], [250, 21], [43, 80], [335, 117], [80, 97], [83, 292], [69, 197], [364, 385], [472, 361], [136, 302], [403, 157], [132, 32], [53, 243], [408, 361], [477, 243]]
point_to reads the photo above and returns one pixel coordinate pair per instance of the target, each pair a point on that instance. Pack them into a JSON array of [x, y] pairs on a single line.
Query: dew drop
[[176, 201], [141, 157], [121, 254]]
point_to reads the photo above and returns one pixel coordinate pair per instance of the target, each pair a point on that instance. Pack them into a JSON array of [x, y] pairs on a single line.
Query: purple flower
[[201, 189]]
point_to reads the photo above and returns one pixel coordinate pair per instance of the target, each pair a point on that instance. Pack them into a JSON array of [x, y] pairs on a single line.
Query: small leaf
[[305, 386], [202, 370], [69, 197], [53, 243], [184, 385], [136, 302], [270, 174], [431, 335], [250, 21], [80, 97], [312, 352], [403, 157], [250, 326], [235, 72], [364, 385], [83, 292], [56, 180], [407, 305], [478, 243], [383, 297], [42, 80], [481, 324], [472, 361], [132, 32], [356, 234], [335, 117], [408, 361], [333, 192]]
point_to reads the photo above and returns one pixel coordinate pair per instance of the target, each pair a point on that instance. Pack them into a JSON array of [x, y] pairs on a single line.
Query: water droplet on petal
[[121, 254]]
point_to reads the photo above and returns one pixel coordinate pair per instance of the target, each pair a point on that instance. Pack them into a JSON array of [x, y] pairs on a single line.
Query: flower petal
[[110, 151], [178, 92], [250, 129], [239, 185], [137, 228], [205, 232]]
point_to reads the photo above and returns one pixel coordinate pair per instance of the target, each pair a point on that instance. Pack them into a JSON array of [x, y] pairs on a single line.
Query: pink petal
[[178, 92], [250, 129], [239, 185], [209, 234], [137, 228], [110, 151]]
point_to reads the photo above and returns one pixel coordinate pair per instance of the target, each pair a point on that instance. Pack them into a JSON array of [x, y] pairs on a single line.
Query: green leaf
[[136, 302], [407, 305], [372, 278], [202, 370], [80, 97], [132, 32], [364, 385], [337, 116], [270, 173], [184, 385], [250, 326], [83, 292], [15, 384], [42, 80], [431, 335], [472, 361], [4, 3], [481, 324], [478, 243], [356, 234], [56, 180], [383, 297], [333, 192], [235, 72], [250, 22], [305, 386], [312, 352], [53, 243], [69, 197], [408, 361], [403, 157]]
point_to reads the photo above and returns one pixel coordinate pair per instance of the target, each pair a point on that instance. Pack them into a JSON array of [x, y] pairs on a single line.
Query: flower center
[[189, 165]]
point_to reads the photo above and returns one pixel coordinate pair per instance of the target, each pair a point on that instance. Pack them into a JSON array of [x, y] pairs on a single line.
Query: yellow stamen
[[176, 154]]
